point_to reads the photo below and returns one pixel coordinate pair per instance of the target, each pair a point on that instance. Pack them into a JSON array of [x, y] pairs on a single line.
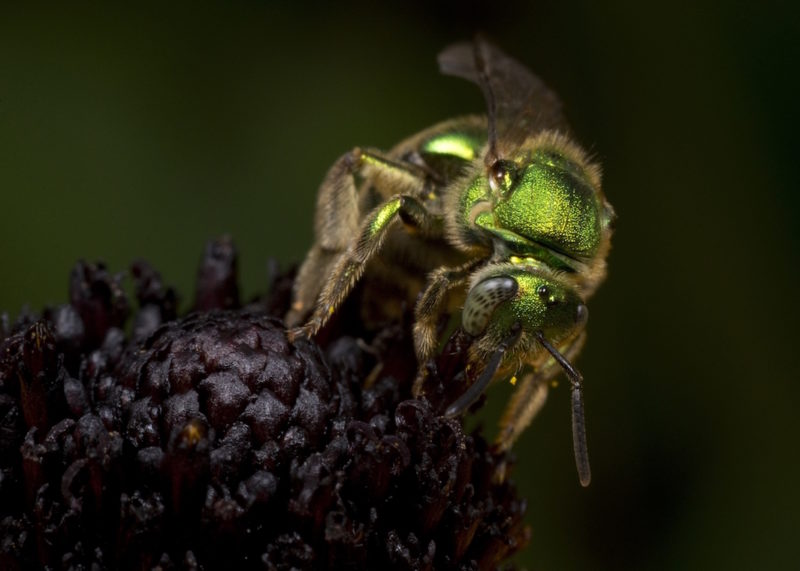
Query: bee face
[[518, 296]]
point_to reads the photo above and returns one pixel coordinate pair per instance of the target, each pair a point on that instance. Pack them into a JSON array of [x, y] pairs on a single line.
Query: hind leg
[[349, 266], [338, 219]]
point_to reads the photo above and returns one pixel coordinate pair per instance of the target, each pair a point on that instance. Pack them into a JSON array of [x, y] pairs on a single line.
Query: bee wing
[[520, 104]]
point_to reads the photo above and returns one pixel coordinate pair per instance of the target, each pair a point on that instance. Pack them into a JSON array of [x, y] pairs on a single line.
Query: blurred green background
[[142, 132]]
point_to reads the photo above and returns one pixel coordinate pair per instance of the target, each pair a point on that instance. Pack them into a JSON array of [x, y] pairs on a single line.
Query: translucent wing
[[520, 104]]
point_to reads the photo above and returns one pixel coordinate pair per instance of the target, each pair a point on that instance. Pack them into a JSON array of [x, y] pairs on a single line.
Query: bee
[[501, 216]]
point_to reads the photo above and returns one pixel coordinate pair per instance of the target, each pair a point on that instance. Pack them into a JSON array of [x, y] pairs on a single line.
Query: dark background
[[143, 132]]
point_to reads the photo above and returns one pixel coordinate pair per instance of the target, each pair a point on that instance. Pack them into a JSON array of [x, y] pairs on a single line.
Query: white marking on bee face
[[483, 299]]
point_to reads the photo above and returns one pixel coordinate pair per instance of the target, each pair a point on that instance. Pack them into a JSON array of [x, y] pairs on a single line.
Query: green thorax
[[554, 204], [549, 211]]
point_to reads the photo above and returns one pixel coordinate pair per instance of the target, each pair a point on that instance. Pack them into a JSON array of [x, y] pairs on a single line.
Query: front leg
[[349, 267], [530, 396], [431, 306]]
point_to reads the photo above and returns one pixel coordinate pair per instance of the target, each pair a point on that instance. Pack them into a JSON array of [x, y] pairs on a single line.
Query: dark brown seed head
[[212, 441]]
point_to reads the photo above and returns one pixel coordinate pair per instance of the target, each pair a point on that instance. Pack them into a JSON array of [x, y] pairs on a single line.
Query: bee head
[[508, 296]]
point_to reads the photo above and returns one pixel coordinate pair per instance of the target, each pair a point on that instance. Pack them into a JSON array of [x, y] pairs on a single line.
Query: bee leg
[[306, 285], [530, 396], [528, 400], [349, 267], [337, 219], [430, 307]]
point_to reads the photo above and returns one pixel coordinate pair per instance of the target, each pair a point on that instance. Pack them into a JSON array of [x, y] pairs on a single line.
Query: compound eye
[[501, 175], [483, 299]]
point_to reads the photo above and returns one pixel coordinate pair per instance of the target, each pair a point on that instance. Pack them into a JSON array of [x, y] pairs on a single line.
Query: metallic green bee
[[502, 216]]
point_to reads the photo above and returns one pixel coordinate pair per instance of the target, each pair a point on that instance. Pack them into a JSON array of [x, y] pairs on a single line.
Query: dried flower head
[[210, 440]]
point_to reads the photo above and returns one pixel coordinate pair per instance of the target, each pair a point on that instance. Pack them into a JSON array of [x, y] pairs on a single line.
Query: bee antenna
[[475, 390], [481, 65], [578, 418]]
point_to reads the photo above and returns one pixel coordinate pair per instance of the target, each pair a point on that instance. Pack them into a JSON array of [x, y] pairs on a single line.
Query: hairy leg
[[431, 305], [350, 265], [338, 218]]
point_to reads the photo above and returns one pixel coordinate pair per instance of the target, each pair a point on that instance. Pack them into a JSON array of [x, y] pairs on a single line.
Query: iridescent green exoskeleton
[[500, 216]]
